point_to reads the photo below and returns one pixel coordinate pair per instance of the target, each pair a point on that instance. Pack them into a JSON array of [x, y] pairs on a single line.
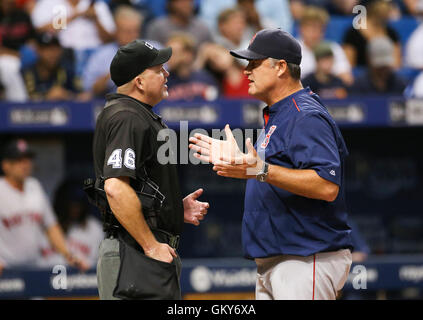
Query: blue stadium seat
[[408, 74], [338, 25], [28, 56], [405, 27], [336, 28]]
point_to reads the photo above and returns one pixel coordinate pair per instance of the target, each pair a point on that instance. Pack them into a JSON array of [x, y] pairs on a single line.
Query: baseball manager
[[295, 218]]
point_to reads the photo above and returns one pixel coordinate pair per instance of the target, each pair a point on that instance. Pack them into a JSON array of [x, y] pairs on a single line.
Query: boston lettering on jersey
[[19, 219]]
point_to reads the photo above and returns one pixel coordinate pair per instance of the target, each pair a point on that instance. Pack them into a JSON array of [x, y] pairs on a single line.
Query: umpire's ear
[[138, 82]]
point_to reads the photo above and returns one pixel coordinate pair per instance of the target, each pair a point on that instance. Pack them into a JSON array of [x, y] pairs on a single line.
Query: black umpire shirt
[[125, 141]]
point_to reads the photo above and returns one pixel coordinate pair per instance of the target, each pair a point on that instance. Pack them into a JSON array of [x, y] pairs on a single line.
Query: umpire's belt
[[164, 236], [160, 235]]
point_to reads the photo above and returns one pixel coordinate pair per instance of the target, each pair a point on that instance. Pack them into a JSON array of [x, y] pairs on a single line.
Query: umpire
[[143, 211]]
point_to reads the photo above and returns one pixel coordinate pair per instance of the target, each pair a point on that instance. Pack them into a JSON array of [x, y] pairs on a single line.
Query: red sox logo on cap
[[22, 145], [252, 39]]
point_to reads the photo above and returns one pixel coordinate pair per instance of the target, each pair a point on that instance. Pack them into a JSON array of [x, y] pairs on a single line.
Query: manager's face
[[155, 87], [262, 75]]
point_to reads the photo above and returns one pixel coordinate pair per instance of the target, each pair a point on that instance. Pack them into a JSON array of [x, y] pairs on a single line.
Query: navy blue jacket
[[299, 134]]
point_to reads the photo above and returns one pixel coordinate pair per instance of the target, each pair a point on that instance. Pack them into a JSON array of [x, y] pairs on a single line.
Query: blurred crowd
[[61, 49]]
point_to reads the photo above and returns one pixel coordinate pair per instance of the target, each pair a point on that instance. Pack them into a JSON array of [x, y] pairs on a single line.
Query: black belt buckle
[[112, 232], [174, 242]]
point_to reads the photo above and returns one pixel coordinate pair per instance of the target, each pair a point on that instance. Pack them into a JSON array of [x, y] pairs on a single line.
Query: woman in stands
[[356, 40]]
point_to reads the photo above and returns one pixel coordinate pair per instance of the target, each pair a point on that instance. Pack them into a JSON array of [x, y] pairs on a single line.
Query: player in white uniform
[[83, 241], [25, 213], [83, 231]]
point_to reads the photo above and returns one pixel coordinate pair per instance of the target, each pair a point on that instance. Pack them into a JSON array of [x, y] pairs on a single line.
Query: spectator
[[82, 25], [86, 24], [52, 77], [15, 30], [341, 7], [256, 21], [184, 82], [232, 27], [26, 213], [180, 18], [312, 29], [412, 7], [270, 13], [297, 8], [380, 78], [229, 73], [333, 7], [414, 49], [141, 5], [83, 231], [356, 40], [96, 75], [322, 81], [26, 5]]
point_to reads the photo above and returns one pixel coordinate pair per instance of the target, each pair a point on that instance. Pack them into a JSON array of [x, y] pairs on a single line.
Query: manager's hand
[[226, 156]]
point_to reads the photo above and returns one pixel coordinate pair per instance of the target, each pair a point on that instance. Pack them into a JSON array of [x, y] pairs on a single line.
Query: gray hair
[[294, 69]]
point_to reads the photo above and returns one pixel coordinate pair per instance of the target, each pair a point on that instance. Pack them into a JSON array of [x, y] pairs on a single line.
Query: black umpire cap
[[271, 43], [17, 149], [133, 58]]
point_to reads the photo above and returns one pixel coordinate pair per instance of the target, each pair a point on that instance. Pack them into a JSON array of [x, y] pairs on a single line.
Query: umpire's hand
[[162, 252], [194, 210]]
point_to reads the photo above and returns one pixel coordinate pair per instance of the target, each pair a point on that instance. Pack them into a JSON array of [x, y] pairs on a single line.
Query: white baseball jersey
[[79, 34], [23, 218], [82, 241]]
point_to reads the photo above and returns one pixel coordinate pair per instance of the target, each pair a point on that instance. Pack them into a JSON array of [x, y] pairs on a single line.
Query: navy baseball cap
[[133, 58], [271, 43], [17, 149]]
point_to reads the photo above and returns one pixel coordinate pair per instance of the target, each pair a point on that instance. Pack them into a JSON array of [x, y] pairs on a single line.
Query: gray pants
[[108, 268], [316, 277]]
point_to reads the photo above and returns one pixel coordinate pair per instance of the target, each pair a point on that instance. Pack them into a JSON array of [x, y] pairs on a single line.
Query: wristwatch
[[262, 174]]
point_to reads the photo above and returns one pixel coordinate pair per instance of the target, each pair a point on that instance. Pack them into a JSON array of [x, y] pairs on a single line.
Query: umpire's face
[[154, 84]]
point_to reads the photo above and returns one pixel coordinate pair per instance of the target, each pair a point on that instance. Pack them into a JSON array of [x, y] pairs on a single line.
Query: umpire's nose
[[166, 73]]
